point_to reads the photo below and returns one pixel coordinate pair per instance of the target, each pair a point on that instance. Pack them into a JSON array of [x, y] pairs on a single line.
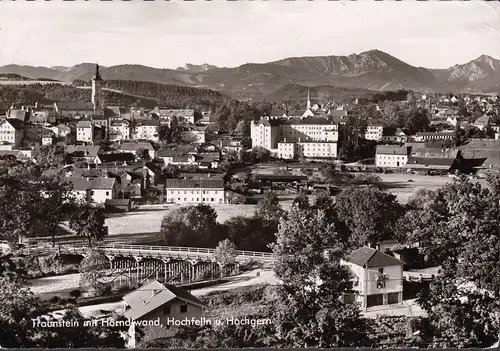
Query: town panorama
[[305, 201]]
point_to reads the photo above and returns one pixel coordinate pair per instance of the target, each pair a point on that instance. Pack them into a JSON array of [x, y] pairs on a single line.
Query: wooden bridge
[[171, 264]]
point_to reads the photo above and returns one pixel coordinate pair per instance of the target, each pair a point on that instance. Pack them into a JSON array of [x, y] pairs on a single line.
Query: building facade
[[11, 131], [374, 132], [392, 155], [377, 278], [202, 190]]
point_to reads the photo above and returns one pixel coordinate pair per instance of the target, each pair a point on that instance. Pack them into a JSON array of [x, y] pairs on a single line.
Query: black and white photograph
[[249, 174]]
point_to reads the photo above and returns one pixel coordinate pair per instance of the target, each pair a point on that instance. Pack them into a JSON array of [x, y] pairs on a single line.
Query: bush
[[55, 299], [75, 293]]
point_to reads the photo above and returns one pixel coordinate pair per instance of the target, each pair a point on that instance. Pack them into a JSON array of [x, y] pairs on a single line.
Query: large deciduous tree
[[309, 311], [190, 226], [89, 222], [459, 230], [370, 214]]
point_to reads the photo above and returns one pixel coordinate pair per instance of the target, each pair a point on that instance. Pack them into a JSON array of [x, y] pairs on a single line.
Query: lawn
[[147, 220]]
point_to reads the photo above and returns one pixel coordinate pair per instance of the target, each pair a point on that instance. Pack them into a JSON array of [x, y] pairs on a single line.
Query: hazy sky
[[169, 34]]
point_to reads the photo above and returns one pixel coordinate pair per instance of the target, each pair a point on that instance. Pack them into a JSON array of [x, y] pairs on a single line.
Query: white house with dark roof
[[11, 131], [198, 188], [96, 190], [377, 278], [392, 155], [132, 147], [166, 303]]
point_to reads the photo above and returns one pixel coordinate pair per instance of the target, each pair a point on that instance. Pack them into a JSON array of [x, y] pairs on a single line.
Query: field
[[148, 219]]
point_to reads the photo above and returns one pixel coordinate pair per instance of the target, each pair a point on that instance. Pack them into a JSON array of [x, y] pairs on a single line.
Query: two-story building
[[377, 278], [392, 155], [95, 190], [200, 188]]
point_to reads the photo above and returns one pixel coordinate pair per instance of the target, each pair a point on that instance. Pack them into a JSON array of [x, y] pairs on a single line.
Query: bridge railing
[[196, 250]]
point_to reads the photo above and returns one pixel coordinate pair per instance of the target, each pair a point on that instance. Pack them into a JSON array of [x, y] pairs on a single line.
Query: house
[[146, 130], [47, 137], [392, 155], [83, 152], [393, 135], [96, 190], [117, 157], [22, 114], [132, 147], [119, 130], [198, 188], [166, 115], [377, 278], [12, 131], [423, 136], [68, 109], [482, 122], [208, 159], [61, 130], [40, 114], [166, 303], [374, 132], [85, 131], [194, 134]]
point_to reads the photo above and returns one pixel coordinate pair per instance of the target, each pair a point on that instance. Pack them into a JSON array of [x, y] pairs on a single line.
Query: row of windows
[[392, 157], [204, 199], [173, 192]]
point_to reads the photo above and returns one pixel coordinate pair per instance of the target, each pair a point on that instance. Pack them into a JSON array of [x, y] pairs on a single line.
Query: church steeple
[[97, 83], [97, 75], [308, 100]]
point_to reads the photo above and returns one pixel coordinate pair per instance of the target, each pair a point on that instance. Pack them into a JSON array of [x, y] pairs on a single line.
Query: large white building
[[204, 188], [296, 137]]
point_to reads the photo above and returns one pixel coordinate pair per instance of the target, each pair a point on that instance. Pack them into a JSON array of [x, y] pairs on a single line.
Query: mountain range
[[373, 70]]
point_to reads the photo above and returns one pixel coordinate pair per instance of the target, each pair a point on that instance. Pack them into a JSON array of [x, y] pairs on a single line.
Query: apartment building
[[374, 132], [146, 130], [311, 133], [119, 130]]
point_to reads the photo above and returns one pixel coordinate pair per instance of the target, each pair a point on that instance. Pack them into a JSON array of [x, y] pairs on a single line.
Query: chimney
[[36, 104], [22, 107], [208, 175]]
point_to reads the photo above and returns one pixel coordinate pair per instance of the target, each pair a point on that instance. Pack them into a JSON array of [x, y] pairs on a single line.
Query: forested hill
[[151, 94]]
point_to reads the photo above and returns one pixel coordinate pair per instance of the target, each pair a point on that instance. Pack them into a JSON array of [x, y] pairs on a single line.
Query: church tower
[[97, 82], [308, 100]]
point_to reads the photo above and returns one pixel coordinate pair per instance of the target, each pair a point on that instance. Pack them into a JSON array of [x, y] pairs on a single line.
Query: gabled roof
[[84, 124], [133, 146], [393, 150], [154, 295], [80, 184], [117, 157], [17, 124], [18, 114], [371, 258], [85, 150], [430, 163], [195, 183]]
